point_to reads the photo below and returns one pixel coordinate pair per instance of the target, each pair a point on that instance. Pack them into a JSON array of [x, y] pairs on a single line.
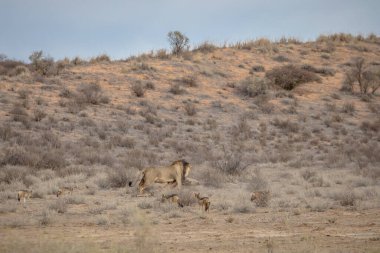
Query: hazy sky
[[122, 28]]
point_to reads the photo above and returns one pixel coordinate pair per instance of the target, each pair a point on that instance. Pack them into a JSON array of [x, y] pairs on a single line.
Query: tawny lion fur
[[174, 174]]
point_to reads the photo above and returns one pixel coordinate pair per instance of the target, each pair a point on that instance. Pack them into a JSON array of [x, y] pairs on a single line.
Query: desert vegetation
[[298, 120]]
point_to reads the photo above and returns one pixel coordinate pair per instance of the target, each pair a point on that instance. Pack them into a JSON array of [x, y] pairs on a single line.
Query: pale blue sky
[[122, 28]]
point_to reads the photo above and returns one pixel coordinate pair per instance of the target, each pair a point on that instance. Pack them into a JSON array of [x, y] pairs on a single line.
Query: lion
[[203, 201], [24, 194], [65, 190], [261, 198], [175, 174], [172, 198]]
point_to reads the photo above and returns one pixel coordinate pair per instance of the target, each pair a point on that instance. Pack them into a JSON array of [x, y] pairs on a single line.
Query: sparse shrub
[[100, 58], [138, 89], [348, 108], [119, 177], [347, 199], [149, 86], [38, 114], [325, 71], [190, 109], [46, 218], [188, 81], [252, 87], [243, 205], [44, 65], [59, 205], [361, 74], [230, 162], [187, 198], [178, 42], [162, 54], [290, 76], [257, 68], [286, 125], [281, 58], [9, 174], [91, 94], [145, 205], [6, 132], [176, 89], [206, 47], [211, 177], [12, 68]]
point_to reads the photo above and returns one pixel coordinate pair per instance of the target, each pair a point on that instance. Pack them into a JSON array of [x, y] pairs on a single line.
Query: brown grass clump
[[252, 87], [91, 94], [138, 89], [290, 76]]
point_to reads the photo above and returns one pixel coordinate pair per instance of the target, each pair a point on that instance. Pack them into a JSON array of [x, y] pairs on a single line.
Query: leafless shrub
[[230, 162], [101, 58], [325, 71], [252, 87], [176, 89], [91, 94], [290, 76], [257, 68], [59, 205], [361, 74], [12, 67], [206, 47], [286, 125], [38, 114], [6, 132], [145, 204], [188, 81], [125, 142], [190, 109], [243, 205], [119, 177], [162, 54], [367, 126], [46, 218], [187, 198], [348, 108], [281, 58], [138, 89], [44, 65], [211, 177], [9, 174], [19, 114]]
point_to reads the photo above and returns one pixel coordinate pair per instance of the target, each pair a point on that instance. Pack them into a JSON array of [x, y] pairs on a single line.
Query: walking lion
[[174, 174]]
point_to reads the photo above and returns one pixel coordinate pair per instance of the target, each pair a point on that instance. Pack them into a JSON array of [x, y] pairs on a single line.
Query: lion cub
[[203, 201], [172, 198], [24, 194], [260, 198], [65, 190]]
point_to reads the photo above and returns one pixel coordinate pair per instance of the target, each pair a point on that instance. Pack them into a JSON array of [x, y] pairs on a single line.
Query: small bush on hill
[[290, 76]]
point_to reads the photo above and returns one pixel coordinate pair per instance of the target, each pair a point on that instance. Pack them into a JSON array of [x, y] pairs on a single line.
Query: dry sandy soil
[[314, 148]]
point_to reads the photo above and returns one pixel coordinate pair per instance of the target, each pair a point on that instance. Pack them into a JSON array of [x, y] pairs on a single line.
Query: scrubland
[[298, 119]]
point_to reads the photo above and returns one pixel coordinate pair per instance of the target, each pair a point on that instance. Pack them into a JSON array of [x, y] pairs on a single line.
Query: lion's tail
[[180, 204], [18, 197]]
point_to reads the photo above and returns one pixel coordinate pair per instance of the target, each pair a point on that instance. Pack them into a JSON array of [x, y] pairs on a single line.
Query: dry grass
[[313, 147]]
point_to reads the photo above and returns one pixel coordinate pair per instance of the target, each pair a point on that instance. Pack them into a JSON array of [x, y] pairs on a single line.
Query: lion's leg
[[179, 181]]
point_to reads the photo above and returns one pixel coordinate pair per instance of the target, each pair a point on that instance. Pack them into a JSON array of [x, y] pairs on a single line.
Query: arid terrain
[[300, 120]]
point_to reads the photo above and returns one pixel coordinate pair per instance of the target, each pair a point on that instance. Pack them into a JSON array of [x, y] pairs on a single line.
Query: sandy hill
[[94, 124]]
